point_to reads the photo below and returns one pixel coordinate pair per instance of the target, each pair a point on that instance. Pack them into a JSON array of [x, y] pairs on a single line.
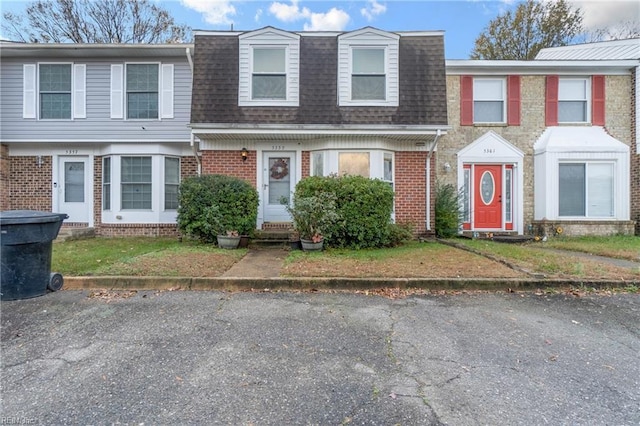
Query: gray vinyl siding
[[98, 126]]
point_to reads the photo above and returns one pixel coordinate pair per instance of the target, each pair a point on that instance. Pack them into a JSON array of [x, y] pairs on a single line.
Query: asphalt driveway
[[187, 357]]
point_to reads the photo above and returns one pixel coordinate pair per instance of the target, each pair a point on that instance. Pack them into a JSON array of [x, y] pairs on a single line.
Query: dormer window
[[368, 69], [368, 78], [269, 68], [269, 76]]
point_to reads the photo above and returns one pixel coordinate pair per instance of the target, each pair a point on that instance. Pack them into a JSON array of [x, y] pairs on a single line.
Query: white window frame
[[254, 73], [274, 39], [157, 213], [476, 98], [31, 91], [368, 38], [166, 184], [587, 214], [384, 71], [587, 100], [166, 91]]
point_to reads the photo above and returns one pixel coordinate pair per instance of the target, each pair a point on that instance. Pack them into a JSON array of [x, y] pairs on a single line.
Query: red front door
[[487, 196]]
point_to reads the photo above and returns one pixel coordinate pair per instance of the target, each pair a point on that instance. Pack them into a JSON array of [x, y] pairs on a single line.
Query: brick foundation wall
[[578, 228], [230, 163], [30, 183], [5, 166]]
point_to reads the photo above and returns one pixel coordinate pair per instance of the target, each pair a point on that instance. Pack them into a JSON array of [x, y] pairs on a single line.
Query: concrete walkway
[[265, 262]]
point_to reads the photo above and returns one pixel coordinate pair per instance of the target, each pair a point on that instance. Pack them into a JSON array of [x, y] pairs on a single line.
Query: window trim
[[504, 100], [125, 92], [385, 72], [31, 104], [252, 72], [173, 184], [369, 38], [587, 216], [106, 184], [273, 38], [587, 100]]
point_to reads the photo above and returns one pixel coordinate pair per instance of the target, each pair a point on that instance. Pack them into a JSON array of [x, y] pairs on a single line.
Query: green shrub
[[364, 208], [447, 211], [211, 205], [313, 217]]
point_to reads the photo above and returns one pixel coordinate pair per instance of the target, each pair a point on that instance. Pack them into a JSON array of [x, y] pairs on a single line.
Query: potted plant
[[229, 240], [312, 218]]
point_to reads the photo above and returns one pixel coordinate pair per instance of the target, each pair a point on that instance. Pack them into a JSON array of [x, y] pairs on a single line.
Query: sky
[[462, 20]]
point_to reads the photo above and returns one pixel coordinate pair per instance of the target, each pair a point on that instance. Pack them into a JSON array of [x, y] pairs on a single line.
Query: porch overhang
[[274, 132]]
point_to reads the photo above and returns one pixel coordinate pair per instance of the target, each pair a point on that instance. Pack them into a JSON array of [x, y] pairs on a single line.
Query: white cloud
[[372, 10], [214, 12], [607, 13], [333, 20], [258, 15], [289, 12]]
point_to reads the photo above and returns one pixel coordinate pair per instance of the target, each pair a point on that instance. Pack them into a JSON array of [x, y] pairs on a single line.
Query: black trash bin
[[26, 237]]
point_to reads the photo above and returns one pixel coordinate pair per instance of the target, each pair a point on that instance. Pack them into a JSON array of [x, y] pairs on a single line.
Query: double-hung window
[[269, 76], [489, 100], [368, 74], [586, 189], [573, 100], [171, 182], [55, 91], [136, 183], [142, 91]]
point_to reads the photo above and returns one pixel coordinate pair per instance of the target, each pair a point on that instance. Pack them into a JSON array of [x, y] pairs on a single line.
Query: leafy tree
[[94, 21], [534, 25], [621, 30]]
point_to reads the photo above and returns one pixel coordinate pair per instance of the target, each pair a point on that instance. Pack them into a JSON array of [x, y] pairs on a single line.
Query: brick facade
[[5, 179], [30, 183], [411, 190], [230, 163], [635, 158], [618, 124]]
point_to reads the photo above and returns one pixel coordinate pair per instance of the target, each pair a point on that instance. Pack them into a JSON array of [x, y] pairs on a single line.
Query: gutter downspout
[[428, 171], [193, 138]]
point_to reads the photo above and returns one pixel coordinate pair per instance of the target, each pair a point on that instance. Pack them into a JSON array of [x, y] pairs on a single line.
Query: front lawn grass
[[617, 246], [412, 260], [535, 258], [142, 256]]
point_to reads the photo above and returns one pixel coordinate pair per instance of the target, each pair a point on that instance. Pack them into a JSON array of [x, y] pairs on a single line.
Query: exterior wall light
[[244, 154], [447, 167]]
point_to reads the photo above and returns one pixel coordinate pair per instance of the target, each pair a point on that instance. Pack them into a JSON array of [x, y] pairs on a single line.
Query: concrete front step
[[272, 238], [69, 233]]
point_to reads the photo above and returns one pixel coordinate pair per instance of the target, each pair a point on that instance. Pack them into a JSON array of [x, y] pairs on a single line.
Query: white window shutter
[[29, 91], [79, 91], [166, 108], [117, 91]]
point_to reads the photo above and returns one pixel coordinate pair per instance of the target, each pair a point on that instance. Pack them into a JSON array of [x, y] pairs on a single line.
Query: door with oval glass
[[278, 182], [72, 188], [488, 196]]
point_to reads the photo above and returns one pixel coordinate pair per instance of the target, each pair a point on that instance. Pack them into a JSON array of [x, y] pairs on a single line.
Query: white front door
[[73, 188], [278, 182]]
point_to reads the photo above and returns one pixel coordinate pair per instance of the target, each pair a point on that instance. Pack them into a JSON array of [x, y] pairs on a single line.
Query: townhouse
[[99, 132]]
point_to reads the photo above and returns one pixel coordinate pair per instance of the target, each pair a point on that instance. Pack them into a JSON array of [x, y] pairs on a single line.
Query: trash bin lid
[[18, 217]]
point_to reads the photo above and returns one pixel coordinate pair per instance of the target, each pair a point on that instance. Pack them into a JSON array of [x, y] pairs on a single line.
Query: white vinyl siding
[[362, 81], [269, 68]]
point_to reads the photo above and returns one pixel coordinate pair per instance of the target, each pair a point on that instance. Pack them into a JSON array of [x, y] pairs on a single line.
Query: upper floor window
[[269, 76], [573, 100], [368, 78], [368, 68], [489, 100], [269, 62], [55, 91], [142, 91]]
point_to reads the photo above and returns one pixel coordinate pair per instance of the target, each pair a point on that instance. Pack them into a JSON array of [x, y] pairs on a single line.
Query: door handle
[[264, 186]]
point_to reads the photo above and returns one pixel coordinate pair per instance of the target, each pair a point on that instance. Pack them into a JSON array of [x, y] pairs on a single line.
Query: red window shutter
[[597, 100], [551, 101], [513, 105], [466, 100]]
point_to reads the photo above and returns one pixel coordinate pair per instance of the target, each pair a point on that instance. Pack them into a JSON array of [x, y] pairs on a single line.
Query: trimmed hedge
[[211, 205], [364, 208]]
